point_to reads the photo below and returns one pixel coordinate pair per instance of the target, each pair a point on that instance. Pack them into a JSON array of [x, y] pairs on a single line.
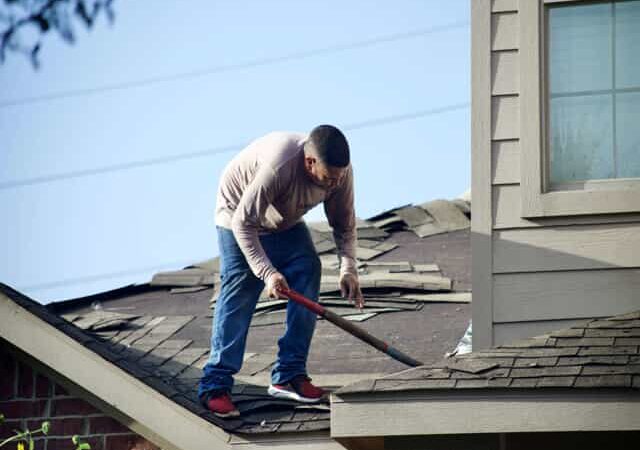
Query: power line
[[402, 117], [91, 278], [99, 277], [233, 67], [370, 123], [118, 167]]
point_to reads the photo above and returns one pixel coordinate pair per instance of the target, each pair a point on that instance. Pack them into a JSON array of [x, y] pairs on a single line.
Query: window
[[593, 74], [580, 107]]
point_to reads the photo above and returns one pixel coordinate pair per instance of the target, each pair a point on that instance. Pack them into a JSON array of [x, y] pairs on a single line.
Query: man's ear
[[310, 160]]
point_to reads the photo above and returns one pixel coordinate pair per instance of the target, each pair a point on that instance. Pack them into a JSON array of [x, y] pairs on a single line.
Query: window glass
[[593, 70], [580, 50], [582, 131], [628, 136], [627, 20]]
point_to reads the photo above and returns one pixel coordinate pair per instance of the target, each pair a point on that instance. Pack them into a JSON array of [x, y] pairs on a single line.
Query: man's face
[[322, 174]]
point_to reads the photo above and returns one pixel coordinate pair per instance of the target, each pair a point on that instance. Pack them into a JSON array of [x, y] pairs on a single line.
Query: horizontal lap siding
[[504, 31], [505, 165], [546, 273], [505, 112], [505, 68], [566, 248], [504, 5], [505, 86], [506, 204], [505, 117], [565, 294]]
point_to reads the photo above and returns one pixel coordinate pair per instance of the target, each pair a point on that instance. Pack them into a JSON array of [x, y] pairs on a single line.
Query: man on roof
[[263, 194]]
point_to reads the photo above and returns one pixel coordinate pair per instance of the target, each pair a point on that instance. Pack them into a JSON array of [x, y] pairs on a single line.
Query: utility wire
[[371, 123], [91, 278], [99, 277], [234, 67], [118, 167]]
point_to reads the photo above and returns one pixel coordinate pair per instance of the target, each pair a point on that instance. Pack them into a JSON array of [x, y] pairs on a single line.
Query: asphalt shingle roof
[[600, 353], [417, 292]]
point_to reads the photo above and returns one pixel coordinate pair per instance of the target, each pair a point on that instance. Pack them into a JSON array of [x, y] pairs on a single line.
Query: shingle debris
[[100, 320], [601, 353], [417, 283], [153, 348]]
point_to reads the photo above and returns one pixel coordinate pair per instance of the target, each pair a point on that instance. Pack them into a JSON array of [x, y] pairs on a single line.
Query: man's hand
[[276, 283], [350, 288]]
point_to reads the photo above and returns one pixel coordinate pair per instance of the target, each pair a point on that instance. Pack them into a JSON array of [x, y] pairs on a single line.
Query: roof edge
[[60, 306], [22, 324], [484, 411]]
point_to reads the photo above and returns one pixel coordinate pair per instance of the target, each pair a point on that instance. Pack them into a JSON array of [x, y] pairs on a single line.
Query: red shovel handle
[[349, 327], [304, 301]]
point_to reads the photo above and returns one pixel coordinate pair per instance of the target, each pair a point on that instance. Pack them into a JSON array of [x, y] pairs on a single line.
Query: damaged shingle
[[562, 359], [101, 320], [159, 347], [184, 277], [471, 365]]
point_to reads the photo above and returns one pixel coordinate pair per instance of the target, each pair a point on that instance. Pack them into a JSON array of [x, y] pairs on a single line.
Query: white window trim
[[592, 197]]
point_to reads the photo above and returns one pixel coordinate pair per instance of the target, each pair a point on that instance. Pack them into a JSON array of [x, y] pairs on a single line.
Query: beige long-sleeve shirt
[[266, 188]]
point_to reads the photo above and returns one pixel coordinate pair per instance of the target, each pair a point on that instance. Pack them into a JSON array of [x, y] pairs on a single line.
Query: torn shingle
[[446, 215], [414, 216], [103, 320], [188, 289], [449, 297], [184, 277], [363, 253], [568, 360], [603, 381], [324, 246], [390, 223], [471, 365]]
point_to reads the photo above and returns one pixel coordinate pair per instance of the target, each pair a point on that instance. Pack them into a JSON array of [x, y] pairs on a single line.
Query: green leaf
[[1, 417], [31, 444], [45, 427], [84, 446], [74, 439]]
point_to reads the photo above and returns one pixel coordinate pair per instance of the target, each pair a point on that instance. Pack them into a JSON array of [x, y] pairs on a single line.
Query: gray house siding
[[546, 273]]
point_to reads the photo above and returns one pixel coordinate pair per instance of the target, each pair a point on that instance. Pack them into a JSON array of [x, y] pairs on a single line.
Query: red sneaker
[[220, 404], [299, 388]]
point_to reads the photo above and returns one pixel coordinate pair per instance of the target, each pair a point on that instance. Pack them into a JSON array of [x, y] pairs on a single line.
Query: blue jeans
[[293, 254]]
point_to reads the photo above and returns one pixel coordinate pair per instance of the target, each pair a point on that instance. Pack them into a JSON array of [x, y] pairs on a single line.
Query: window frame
[[616, 195]]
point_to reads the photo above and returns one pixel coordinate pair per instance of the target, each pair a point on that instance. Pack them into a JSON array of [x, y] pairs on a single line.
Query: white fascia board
[[484, 411]]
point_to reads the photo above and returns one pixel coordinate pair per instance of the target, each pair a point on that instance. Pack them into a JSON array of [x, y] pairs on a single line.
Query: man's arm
[[341, 215], [257, 196], [340, 211]]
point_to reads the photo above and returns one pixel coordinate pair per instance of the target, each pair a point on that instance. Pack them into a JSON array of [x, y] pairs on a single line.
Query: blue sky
[[78, 235]]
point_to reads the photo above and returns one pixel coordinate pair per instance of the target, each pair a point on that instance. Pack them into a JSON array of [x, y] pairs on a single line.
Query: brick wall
[[27, 398]]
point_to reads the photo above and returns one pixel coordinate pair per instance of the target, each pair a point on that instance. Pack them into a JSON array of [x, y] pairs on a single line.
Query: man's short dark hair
[[331, 145]]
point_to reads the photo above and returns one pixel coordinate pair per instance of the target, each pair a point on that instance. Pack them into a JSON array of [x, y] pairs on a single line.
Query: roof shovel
[[349, 327]]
